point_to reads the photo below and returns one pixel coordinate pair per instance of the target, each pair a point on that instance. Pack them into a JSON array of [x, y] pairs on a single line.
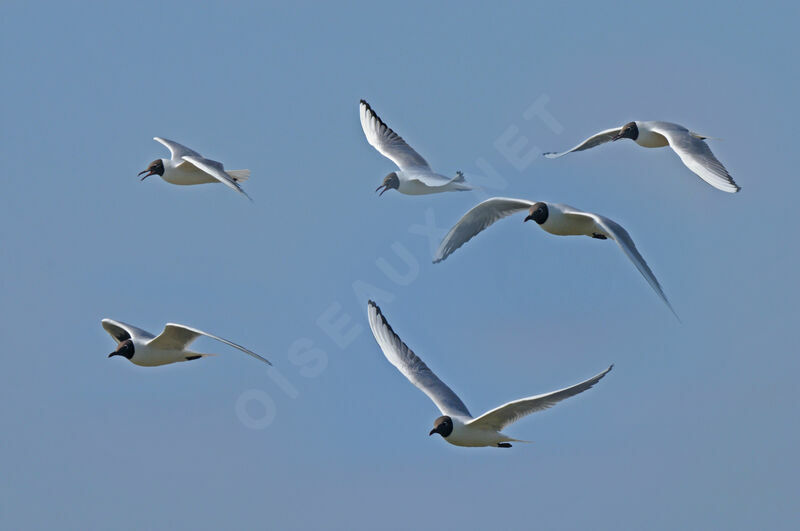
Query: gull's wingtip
[[678, 317], [372, 305], [245, 194]]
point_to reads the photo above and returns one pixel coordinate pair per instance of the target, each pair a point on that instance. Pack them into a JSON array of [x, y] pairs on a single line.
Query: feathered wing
[[412, 367], [500, 417], [179, 337], [615, 231], [215, 170], [121, 331], [177, 151], [477, 219], [595, 140], [697, 156], [387, 142]]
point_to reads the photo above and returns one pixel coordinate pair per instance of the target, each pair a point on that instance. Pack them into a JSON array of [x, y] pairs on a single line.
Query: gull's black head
[[538, 213], [629, 130], [156, 168], [443, 426], [389, 182], [124, 349]]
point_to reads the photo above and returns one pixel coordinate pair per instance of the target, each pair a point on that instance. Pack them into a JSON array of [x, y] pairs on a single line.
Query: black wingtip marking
[[374, 115], [191, 358], [372, 304]]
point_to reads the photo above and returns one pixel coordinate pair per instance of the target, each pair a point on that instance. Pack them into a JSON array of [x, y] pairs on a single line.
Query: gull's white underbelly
[[562, 225], [151, 357], [463, 435], [410, 185], [186, 174]]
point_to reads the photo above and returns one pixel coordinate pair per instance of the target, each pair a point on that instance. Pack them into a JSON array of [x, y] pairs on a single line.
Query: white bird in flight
[[189, 167], [171, 345], [415, 176], [689, 146], [457, 425], [561, 220]]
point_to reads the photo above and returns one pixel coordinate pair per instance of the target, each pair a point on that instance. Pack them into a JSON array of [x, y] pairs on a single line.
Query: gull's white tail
[[460, 182], [703, 137], [238, 175]]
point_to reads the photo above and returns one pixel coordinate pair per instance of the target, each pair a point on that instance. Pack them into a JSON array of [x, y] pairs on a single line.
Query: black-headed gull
[[689, 146], [415, 176], [171, 345], [561, 220], [457, 425], [189, 167]]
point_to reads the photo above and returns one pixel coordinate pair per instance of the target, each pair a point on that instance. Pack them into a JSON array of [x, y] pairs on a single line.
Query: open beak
[[149, 173], [384, 189]]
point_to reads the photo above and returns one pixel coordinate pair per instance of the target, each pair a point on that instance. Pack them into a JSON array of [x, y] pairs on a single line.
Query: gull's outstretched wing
[[697, 156], [177, 150], [215, 170], [477, 219], [122, 331], [616, 232], [502, 416], [600, 138], [412, 367], [179, 337], [387, 142]]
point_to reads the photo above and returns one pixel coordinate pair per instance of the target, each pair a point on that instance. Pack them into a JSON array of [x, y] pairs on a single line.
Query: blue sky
[[695, 428]]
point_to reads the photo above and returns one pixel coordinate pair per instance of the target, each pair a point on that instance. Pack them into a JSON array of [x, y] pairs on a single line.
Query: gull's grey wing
[[412, 367], [615, 231], [179, 337], [177, 151], [502, 416], [122, 331], [387, 142], [595, 140], [215, 170], [697, 156], [477, 219]]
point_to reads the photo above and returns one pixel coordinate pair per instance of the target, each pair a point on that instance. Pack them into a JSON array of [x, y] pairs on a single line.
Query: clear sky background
[[695, 428]]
